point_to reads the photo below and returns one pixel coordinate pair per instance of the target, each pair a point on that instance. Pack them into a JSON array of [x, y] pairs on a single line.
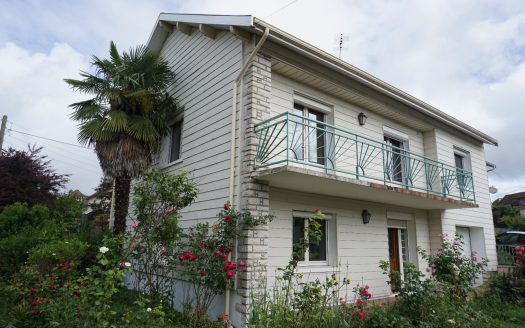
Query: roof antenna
[[340, 40]]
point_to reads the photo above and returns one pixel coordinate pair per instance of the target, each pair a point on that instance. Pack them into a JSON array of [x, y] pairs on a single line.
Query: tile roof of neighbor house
[[511, 199], [257, 26]]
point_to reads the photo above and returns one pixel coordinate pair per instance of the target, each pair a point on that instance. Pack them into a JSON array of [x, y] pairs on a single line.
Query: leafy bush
[[18, 216], [157, 200], [510, 287], [204, 256], [48, 255]]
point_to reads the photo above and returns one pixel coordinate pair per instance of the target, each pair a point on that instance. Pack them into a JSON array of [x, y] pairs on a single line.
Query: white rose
[[148, 309], [127, 264], [103, 249]]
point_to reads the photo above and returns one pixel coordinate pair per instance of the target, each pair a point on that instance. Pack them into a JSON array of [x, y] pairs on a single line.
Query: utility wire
[[61, 158], [58, 141], [283, 7]]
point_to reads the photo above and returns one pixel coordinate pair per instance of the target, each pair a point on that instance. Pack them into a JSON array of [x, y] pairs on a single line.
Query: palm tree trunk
[[122, 189]]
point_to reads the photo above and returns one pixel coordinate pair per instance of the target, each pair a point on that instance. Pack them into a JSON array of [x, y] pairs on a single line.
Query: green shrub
[[46, 256], [14, 218], [14, 250]]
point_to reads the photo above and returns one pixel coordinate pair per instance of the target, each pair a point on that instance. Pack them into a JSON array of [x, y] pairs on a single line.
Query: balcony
[[299, 153]]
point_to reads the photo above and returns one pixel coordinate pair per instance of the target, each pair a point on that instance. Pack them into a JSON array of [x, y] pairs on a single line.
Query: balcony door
[[309, 136], [394, 159]]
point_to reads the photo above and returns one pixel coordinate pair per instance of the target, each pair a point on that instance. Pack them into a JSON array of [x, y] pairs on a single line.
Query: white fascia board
[[224, 20], [158, 35]]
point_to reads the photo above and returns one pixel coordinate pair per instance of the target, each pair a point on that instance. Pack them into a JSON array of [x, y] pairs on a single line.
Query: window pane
[[316, 137], [298, 237], [318, 252], [459, 161], [176, 132], [394, 160], [297, 133]]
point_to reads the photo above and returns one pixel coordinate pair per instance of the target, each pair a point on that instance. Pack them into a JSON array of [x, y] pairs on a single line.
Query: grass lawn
[[502, 314]]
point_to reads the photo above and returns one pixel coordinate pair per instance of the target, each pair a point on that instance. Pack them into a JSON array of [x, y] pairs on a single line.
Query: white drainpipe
[[233, 137]]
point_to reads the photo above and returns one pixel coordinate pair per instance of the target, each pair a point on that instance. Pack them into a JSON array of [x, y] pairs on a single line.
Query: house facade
[[280, 127]]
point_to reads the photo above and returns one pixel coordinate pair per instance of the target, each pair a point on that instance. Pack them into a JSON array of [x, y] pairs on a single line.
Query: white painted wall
[[360, 247], [480, 217], [204, 71]]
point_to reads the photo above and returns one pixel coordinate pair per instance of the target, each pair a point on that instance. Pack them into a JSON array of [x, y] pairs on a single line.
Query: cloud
[[36, 99], [465, 58]]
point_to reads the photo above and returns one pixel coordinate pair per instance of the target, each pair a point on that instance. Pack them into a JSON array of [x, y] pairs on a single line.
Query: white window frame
[[467, 165], [330, 264], [178, 118], [403, 138]]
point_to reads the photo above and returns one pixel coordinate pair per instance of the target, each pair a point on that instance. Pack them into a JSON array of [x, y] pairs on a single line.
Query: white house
[[282, 127]]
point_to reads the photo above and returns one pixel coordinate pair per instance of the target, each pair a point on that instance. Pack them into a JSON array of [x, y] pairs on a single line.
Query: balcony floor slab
[[317, 182]]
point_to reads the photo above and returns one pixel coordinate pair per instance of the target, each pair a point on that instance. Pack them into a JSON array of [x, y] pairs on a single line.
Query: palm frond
[[86, 110], [116, 121], [142, 129]]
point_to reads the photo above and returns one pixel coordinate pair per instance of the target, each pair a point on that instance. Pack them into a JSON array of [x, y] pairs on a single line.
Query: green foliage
[[21, 228], [452, 269], [18, 216], [510, 287], [514, 222], [157, 200], [48, 255], [204, 256]]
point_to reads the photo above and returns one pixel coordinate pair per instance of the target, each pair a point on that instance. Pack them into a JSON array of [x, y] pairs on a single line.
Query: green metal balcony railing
[[289, 139]]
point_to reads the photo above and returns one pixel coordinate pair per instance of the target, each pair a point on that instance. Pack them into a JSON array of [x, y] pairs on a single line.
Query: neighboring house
[[517, 200], [298, 140]]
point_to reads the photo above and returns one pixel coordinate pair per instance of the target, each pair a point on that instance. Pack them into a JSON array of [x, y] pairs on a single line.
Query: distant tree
[[499, 212], [126, 117], [27, 177]]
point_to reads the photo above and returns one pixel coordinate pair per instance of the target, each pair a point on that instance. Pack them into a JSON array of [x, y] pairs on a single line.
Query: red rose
[[359, 302], [228, 266], [52, 287], [226, 206], [192, 257], [228, 218], [362, 315], [225, 256], [163, 250], [36, 301], [218, 253], [202, 273], [242, 264], [230, 274], [181, 258], [32, 292]]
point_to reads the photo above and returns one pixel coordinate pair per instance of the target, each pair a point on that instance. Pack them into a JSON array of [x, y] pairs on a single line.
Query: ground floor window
[[315, 255], [314, 252]]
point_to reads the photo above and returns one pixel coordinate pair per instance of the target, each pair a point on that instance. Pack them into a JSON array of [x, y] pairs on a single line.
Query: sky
[[466, 58]]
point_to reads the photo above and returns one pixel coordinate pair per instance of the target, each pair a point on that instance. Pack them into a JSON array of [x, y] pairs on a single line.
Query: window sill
[[170, 164], [306, 268]]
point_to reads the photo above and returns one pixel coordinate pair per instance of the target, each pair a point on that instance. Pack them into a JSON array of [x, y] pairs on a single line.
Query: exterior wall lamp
[[362, 119], [366, 216]]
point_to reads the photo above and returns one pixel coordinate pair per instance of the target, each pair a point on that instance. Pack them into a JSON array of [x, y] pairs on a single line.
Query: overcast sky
[[467, 58]]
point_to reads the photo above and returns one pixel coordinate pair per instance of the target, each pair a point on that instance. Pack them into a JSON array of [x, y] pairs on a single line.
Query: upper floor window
[[309, 135], [175, 140], [461, 159], [395, 163]]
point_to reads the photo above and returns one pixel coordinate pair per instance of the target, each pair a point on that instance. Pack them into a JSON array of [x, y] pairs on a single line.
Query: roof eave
[[159, 34], [373, 82]]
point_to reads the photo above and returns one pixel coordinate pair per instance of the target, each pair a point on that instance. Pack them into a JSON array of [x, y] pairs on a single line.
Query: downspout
[[233, 138]]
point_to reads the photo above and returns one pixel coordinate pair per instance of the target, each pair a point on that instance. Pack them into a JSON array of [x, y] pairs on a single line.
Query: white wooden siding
[[360, 247], [472, 217], [204, 71]]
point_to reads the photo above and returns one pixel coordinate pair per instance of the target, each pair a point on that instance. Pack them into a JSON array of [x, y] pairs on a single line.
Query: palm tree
[[126, 117]]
